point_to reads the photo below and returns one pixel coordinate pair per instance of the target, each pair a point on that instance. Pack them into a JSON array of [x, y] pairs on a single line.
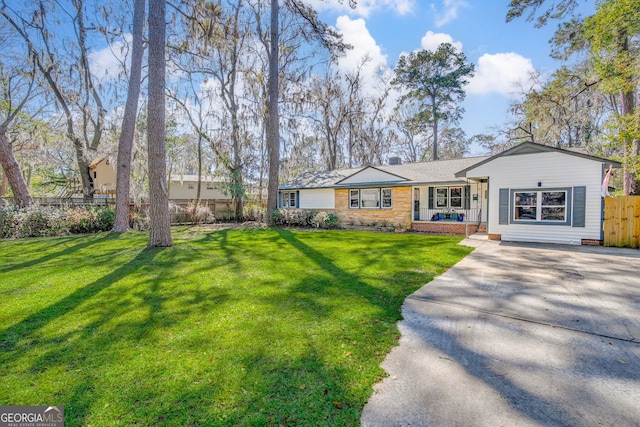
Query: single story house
[[531, 192], [185, 187], [181, 187]]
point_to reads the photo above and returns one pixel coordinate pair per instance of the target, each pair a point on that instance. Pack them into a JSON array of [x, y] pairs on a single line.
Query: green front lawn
[[227, 327]]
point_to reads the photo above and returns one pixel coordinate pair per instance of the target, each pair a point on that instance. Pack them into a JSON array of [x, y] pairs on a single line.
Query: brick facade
[[451, 228], [399, 215], [591, 242]]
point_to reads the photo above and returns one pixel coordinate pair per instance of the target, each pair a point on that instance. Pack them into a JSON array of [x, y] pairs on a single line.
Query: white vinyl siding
[[370, 175], [320, 198], [552, 170], [188, 190]]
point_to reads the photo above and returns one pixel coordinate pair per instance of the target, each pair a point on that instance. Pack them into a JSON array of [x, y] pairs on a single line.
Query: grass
[[227, 327]]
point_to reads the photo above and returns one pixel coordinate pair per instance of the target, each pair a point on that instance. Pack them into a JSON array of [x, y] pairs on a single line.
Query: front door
[[416, 204]]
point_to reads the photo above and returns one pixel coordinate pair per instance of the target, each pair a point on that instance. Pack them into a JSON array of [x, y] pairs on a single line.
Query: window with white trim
[[455, 197], [442, 197], [288, 199], [371, 198], [540, 206], [449, 197], [354, 199], [386, 198]]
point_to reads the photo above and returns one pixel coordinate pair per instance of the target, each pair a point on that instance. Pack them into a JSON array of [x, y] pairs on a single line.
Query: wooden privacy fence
[[222, 209], [622, 221]]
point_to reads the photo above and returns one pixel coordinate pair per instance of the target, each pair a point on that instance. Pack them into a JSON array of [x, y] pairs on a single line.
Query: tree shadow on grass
[[88, 241], [403, 271], [355, 285], [11, 337], [169, 372], [107, 330]]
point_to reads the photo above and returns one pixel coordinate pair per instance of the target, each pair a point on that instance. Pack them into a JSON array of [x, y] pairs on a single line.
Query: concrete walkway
[[518, 335]]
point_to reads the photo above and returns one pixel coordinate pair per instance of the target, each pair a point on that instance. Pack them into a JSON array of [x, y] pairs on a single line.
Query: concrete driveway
[[519, 335]]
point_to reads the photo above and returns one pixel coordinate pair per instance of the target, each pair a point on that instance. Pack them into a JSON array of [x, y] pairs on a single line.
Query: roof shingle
[[439, 171]]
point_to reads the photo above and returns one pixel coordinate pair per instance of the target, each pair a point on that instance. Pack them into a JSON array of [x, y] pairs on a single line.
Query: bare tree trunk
[[273, 125], [199, 187], [21, 195], [4, 185], [434, 156], [262, 164], [44, 62], [123, 179], [630, 149], [236, 172], [634, 185], [159, 222], [83, 168]]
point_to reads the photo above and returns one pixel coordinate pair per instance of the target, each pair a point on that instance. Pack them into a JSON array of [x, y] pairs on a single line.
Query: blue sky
[[503, 53]]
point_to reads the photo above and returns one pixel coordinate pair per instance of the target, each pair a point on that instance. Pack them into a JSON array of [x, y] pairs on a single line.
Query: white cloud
[[364, 8], [503, 73], [432, 40], [449, 11], [355, 33], [107, 63]]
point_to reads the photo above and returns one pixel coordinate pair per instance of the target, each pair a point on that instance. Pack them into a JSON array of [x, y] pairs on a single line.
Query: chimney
[[394, 161]]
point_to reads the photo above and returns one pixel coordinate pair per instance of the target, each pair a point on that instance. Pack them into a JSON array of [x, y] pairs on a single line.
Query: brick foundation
[[495, 236], [591, 242], [436, 227]]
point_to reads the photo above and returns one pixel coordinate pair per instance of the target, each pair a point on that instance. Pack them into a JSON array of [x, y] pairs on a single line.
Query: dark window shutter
[[467, 197], [503, 217], [297, 199], [430, 197], [279, 199], [579, 206]]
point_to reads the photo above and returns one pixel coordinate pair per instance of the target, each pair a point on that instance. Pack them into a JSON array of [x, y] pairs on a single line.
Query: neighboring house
[[529, 193], [186, 187], [103, 175], [180, 186]]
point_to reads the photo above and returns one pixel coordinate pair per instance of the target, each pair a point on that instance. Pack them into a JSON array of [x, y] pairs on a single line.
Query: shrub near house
[[530, 192], [41, 221], [304, 218]]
